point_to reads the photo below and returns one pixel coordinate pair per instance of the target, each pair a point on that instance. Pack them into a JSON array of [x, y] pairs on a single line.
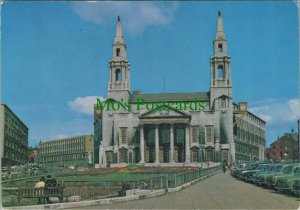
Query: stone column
[[2, 131], [156, 145], [187, 144], [217, 150], [118, 155], [142, 145], [171, 143]]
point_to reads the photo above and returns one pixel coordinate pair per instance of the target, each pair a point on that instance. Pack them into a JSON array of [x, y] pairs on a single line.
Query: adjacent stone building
[[13, 138], [173, 128], [77, 150], [249, 134]]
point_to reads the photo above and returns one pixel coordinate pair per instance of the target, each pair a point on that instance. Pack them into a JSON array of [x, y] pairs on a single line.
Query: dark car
[[250, 168], [266, 168], [236, 171], [249, 174], [239, 173]]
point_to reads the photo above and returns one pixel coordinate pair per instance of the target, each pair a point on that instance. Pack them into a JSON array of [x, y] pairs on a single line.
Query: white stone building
[[167, 128]]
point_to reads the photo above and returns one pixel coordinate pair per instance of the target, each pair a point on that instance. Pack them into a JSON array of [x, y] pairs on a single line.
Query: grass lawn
[[109, 174], [119, 176]]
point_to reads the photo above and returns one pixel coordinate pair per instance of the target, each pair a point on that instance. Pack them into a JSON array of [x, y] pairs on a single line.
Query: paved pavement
[[219, 191]]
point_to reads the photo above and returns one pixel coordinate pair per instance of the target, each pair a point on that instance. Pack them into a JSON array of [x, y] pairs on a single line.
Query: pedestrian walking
[[224, 166]]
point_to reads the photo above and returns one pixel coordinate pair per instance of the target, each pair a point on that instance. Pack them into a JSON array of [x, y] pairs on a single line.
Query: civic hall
[[167, 136]]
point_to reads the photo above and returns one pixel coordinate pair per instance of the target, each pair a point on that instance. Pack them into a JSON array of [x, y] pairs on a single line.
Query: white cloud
[[136, 16], [277, 112], [84, 105], [61, 136]]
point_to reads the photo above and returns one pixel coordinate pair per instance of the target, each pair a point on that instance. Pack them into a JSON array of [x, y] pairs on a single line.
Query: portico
[[164, 136]]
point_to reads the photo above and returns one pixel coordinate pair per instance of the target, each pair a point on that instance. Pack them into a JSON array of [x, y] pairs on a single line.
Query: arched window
[[118, 52], [118, 75], [220, 72], [220, 47]]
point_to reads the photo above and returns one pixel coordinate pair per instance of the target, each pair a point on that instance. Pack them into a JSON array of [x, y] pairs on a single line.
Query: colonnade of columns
[[171, 160]]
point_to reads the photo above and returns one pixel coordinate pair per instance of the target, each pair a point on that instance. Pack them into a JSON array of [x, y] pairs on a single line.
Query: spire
[[220, 33], [119, 82], [119, 34]]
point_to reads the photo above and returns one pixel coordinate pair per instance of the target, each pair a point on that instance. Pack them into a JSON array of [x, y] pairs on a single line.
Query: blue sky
[[55, 57]]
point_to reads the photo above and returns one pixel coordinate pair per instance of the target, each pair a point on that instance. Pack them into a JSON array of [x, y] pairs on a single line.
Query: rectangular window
[[123, 135], [209, 155], [195, 155], [149, 135], [164, 135], [179, 136], [222, 103], [220, 48], [136, 136], [209, 133], [195, 134]]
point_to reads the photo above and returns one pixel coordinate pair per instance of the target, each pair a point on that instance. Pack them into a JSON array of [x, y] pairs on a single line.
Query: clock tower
[[220, 75], [119, 79]]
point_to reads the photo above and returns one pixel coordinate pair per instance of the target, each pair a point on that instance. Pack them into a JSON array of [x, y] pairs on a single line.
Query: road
[[220, 191]]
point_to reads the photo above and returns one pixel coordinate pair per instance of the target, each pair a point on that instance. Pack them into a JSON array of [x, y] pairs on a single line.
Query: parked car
[[238, 170], [265, 170], [276, 168], [285, 183], [286, 170], [247, 170], [250, 174], [232, 170], [296, 187]]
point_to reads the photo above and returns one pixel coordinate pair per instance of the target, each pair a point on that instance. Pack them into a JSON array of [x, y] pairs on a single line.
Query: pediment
[[209, 147], [224, 96], [164, 111]]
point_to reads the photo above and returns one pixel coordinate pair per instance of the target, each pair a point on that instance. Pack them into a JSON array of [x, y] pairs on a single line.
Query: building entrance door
[[166, 152], [224, 155], [137, 155], [181, 154], [123, 155], [179, 140], [151, 155]]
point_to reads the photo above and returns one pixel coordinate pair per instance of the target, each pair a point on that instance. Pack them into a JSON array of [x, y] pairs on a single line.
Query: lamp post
[[292, 140], [298, 143]]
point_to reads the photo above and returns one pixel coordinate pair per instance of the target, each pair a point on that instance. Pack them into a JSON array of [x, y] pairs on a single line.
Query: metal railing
[[84, 190]]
